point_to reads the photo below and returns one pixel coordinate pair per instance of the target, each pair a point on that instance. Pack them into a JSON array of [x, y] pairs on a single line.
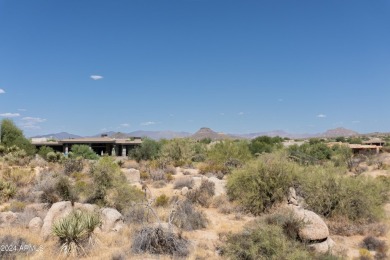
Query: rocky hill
[[206, 132], [340, 131]]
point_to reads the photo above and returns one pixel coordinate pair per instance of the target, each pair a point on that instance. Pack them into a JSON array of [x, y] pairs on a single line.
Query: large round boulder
[[57, 211], [314, 227], [112, 220], [323, 247]]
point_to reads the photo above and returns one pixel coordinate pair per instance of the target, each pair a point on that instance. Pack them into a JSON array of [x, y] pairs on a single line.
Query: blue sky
[[235, 66]]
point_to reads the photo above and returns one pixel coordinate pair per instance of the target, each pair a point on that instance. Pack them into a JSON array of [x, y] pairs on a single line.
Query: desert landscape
[[206, 196]]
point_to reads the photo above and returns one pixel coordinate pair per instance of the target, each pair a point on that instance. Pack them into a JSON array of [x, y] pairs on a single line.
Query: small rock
[[184, 191], [35, 224]]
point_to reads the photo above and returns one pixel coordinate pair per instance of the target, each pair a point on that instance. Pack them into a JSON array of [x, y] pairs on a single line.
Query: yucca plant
[[75, 231]]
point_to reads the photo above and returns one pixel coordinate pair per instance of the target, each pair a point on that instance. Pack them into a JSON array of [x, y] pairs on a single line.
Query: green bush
[[148, 150], [177, 152], [265, 144], [331, 194], [161, 201], [110, 186], [75, 231], [7, 190], [262, 241], [11, 135], [83, 151], [227, 155], [44, 150], [261, 183]]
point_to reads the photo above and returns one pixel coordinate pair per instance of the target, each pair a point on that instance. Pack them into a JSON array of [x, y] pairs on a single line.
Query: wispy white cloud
[[22, 109], [241, 113], [125, 125], [321, 116], [148, 123], [2, 91], [10, 114], [32, 122], [96, 77]]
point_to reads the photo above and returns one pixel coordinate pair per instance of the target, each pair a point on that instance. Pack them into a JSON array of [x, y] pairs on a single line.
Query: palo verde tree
[[11, 135]]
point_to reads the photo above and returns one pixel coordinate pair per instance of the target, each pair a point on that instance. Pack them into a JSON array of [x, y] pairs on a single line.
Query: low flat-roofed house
[[358, 148], [375, 141], [100, 145]]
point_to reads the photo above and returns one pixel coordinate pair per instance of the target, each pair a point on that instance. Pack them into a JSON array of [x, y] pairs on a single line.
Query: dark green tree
[[148, 150], [11, 135]]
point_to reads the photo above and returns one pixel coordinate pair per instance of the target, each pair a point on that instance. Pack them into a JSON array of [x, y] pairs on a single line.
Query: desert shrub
[[121, 195], [16, 156], [75, 231], [159, 184], [136, 214], [331, 194], [118, 256], [185, 181], [261, 241], [312, 152], [7, 190], [342, 226], [19, 176], [187, 217], [226, 155], [170, 170], [72, 165], [157, 240], [17, 206], [372, 243], [265, 144], [13, 243], [223, 205], [261, 183], [157, 175], [83, 151], [203, 194], [178, 151], [44, 150], [2, 149], [55, 188], [148, 150], [144, 175], [51, 157], [161, 201]]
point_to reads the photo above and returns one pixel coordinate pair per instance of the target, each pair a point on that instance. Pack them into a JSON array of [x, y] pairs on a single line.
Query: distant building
[[358, 148], [375, 141], [100, 145]]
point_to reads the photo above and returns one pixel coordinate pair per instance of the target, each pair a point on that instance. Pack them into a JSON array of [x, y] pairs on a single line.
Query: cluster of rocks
[[314, 230], [111, 219]]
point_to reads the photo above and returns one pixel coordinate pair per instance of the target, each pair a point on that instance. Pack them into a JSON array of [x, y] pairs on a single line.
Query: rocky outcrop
[[57, 211], [112, 220], [314, 230]]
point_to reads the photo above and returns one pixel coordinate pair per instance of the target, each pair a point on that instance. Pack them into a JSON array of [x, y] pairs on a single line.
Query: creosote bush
[[261, 183], [185, 181], [161, 201], [73, 165]]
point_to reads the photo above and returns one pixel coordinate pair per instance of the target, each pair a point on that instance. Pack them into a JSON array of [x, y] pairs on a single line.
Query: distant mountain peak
[[339, 131], [206, 132]]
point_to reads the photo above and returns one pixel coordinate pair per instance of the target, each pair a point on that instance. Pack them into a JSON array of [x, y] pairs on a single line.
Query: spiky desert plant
[[75, 231]]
